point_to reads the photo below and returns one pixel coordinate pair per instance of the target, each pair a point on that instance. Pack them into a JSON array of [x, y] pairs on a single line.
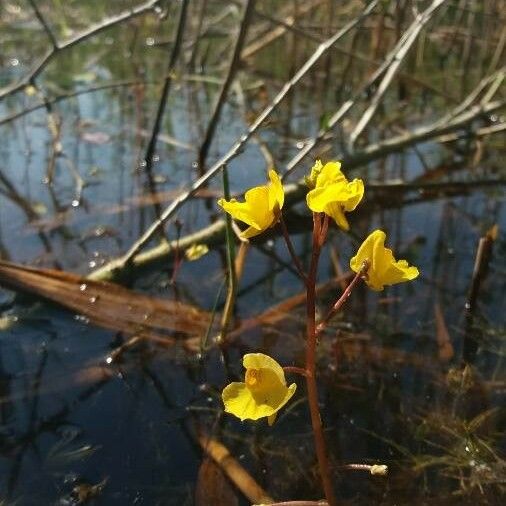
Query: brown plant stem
[[344, 297], [319, 233], [291, 250]]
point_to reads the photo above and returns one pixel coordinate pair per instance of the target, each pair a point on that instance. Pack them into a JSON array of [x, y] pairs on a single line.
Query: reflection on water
[[76, 427]]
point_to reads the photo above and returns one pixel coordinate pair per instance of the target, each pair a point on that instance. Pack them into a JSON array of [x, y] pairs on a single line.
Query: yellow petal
[[254, 211], [365, 252], [320, 197], [262, 361], [383, 268], [261, 206], [276, 192], [335, 211], [250, 232], [354, 194], [239, 401], [240, 211], [400, 271], [264, 392], [313, 175], [330, 174]]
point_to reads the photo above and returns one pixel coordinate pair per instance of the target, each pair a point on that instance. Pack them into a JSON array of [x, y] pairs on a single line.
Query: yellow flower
[[383, 268], [262, 206], [195, 251], [332, 193], [263, 393]]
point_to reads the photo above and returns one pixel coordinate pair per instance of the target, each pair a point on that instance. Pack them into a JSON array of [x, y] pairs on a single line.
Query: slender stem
[[344, 297], [291, 250], [229, 79], [232, 285], [162, 103], [295, 370], [319, 232]]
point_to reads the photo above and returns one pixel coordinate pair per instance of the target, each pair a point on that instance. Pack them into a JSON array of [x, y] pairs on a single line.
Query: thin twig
[[237, 147], [270, 35], [344, 297], [174, 54], [80, 37], [44, 24], [232, 71]]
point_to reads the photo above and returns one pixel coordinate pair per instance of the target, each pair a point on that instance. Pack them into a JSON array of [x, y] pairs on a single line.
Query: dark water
[[70, 419]]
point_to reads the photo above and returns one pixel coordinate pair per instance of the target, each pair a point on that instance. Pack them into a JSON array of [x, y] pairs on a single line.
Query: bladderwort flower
[[263, 393], [261, 208], [331, 193], [383, 269]]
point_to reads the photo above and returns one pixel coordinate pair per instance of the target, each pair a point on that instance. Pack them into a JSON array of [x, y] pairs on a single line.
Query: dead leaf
[[213, 487], [107, 304]]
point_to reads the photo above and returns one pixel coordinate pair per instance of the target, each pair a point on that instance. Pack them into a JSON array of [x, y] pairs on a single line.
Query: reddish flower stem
[[319, 233], [344, 297]]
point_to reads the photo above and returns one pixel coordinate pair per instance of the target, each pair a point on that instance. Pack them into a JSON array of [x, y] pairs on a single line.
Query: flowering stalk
[[265, 391], [319, 235]]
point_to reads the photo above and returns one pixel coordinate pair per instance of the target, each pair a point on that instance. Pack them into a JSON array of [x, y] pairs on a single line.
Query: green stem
[[232, 281]]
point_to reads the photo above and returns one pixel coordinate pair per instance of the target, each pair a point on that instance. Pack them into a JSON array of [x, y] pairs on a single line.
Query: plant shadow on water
[[117, 398]]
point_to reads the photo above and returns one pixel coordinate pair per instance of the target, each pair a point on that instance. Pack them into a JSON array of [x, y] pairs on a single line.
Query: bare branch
[[174, 54], [232, 70]]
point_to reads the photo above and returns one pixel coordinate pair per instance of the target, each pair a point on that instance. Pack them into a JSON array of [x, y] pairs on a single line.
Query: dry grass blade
[[235, 472], [444, 342], [107, 304]]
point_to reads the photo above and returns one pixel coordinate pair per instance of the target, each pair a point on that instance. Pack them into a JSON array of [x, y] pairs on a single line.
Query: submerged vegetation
[[353, 308]]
